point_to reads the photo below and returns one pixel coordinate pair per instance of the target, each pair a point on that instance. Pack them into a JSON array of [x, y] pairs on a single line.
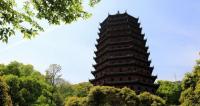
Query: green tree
[[111, 96], [26, 86], [105, 96], [13, 18], [81, 89], [65, 89], [14, 88], [5, 99], [190, 95], [169, 91], [76, 101], [147, 99]]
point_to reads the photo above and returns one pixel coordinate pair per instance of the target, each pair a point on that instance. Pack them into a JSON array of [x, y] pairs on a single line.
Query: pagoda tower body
[[122, 55]]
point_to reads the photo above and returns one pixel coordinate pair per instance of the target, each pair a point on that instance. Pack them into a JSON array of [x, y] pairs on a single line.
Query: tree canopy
[[21, 84], [14, 18], [169, 91], [110, 96], [5, 99], [25, 85], [191, 87]]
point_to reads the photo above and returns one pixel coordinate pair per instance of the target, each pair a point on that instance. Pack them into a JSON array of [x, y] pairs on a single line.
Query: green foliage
[[14, 88], [25, 20], [147, 99], [81, 89], [170, 91], [26, 86], [191, 87], [105, 96], [57, 11], [76, 101], [5, 99], [110, 96], [13, 20]]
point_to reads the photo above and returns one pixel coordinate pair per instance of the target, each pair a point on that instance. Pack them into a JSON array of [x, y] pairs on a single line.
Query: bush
[[150, 100], [110, 96]]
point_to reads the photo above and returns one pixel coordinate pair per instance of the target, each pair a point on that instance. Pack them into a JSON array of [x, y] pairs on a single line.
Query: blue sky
[[172, 28]]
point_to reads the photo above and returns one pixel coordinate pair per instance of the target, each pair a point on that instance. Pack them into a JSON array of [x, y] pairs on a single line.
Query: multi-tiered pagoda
[[122, 55]]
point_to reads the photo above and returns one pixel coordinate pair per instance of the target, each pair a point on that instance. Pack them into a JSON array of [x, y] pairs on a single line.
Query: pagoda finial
[[125, 11], [117, 12], [108, 13]]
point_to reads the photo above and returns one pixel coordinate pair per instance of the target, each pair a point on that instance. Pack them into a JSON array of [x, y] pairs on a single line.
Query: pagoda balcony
[[104, 79], [113, 83], [102, 47], [113, 24], [142, 73], [120, 57], [119, 34], [136, 73], [103, 66], [113, 49], [131, 48]]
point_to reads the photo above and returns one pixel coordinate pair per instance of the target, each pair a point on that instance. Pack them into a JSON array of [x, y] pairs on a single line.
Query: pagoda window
[[120, 78], [129, 78]]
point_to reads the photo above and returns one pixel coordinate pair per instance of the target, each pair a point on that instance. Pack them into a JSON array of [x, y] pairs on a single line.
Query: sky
[[172, 29]]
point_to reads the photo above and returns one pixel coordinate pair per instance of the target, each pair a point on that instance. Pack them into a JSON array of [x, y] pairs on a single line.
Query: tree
[[105, 96], [14, 87], [111, 96], [53, 76], [147, 99], [26, 86], [76, 101], [191, 87], [81, 89], [5, 99], [25, 19], [169, 91]]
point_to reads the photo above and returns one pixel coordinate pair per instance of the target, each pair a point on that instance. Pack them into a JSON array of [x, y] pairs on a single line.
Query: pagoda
[[122, 57]]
